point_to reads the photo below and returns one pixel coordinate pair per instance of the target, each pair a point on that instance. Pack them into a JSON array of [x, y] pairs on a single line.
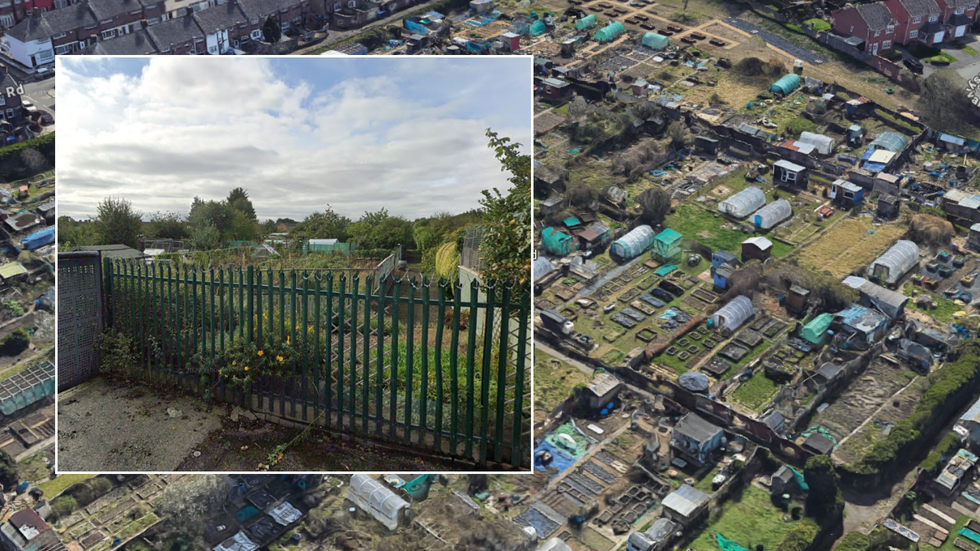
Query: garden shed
[[816, 331], [896, 261], [610, 32], [557, 242], [786, 84], [772, 214], [732, 315], [667, 244], [743, 203], [655, 41], [634, 243]]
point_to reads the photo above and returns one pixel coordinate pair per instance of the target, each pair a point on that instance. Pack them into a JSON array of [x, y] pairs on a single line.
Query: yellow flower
[[246, 368], [261, 353], [287, 340], [280, 358], [234, 362]]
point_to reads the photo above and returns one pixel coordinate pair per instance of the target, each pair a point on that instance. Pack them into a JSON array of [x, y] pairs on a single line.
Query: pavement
[[42, 94], [968, 66]]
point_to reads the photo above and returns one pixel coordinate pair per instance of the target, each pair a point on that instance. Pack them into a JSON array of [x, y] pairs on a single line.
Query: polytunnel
[[655, 41], [889, 141], [732, 315], [610, 32], [540, 268], [375, 499], [634, 243], [786, 84], [585, 22], [743, 203], [896, 261], [772, 214]]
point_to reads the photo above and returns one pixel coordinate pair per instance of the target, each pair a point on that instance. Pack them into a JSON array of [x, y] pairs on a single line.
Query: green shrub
[[946, 447], [44, 144], [15, 343], [13, 307], [799, 538], [854, 541]]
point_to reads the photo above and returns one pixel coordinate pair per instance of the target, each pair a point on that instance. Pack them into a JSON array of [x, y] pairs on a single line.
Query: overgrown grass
[[755, 392], [553, 384], [750, 519], [944, 310], [54, 487], [34, 468], [701, 225]]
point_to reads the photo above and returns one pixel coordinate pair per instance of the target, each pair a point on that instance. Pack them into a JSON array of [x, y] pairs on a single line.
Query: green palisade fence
[[404, 361]]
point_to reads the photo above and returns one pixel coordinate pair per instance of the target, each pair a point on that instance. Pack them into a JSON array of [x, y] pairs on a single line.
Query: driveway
[[968, 66]]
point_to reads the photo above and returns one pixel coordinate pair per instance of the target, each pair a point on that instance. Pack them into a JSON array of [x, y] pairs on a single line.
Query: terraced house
[[874, 24], [137, 27], [879, 26], [918, 21]]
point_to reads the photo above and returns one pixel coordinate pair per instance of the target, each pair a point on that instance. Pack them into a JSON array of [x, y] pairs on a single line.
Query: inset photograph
[[313, 264]]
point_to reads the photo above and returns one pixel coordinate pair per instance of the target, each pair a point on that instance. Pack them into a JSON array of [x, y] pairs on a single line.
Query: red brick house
[[872, 23], [958, 16], [918, 21]]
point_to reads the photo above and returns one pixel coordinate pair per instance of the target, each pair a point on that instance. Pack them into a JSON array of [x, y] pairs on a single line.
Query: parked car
[[28, 106], [46, 118]]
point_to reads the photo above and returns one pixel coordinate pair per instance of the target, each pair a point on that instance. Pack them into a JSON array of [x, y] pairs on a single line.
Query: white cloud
[[408, 137]]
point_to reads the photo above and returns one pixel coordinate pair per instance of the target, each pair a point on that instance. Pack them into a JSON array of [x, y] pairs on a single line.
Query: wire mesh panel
[[422, 363], [79, 316]]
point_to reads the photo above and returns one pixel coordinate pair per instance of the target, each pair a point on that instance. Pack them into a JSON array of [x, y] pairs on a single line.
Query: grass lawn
[[948, 544], [818, 24], [563, 110], [705, 483], [750, 519], [552, 385], [756, 392], [701, 225], [54, 487], [850, 244], [34, 468], [929, 54], [944, 310]]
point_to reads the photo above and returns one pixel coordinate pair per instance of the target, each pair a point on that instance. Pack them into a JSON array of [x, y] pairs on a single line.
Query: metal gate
[[79, 316]]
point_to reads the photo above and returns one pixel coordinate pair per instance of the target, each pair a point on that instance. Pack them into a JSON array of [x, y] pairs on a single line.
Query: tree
[[238, 200], [271, 31], [167, 225], [679, 134], [380, 230], [8, 471], [506, 246], [943, 100], [824, 501], [72, 233], [206, 237], [15, 343], [118, 222], [656, 204], [324, 225], [204, 212], [267, 227]]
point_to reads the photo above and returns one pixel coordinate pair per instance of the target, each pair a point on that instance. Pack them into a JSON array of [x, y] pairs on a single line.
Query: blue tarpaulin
[[967, 533], [39, 239], [560, 459], [666, 269]]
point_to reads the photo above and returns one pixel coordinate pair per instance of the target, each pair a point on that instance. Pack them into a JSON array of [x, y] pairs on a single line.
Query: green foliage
[[656, 205], [44, 145], [799, 538], [380, 230], [824, 500], [946, 447], [938, 213], [797, 126], [324, 225], [271, 31], [118, 222], [506, 246], [166, 225], [206, 236], [72, 234], [15, 343], [8, 471], [238, 200], [854, 541], [13, 307], [117, 355], [63, 506]]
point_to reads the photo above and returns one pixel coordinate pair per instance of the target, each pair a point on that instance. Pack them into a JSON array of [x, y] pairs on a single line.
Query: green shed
[[816, 331], [610, 32], [538, 28], [585, 22], [655, 41], [667, 244], [557, 242], [786, 84]]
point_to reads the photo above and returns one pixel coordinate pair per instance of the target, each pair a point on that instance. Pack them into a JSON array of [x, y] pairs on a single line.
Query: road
[[41, 93]]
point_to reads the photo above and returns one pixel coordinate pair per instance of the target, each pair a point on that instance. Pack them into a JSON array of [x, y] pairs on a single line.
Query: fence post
[[393, 375], [423, 395], [502, 375], [470, 366], [485, 373], [379, 360], [340, 351], [316, 346], [107, 270], [440, 321], [328, 353], [306, 335], [366, 356], [454, 370], [355, 283], [522, 326]]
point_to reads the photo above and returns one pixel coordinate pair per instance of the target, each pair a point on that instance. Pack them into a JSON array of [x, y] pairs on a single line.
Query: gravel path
[[777, 41]]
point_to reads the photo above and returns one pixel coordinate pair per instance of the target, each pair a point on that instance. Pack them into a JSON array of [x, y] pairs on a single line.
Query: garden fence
[[397, 360]]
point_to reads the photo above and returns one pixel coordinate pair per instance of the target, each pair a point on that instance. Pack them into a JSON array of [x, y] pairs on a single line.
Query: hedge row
[[44, 144], [854, 541], [949, 443], [951, 387], [799, 538]]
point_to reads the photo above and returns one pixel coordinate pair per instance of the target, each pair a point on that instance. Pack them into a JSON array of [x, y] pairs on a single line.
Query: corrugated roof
[[694, 427], [686, 500], [603, 384], [758, 241]]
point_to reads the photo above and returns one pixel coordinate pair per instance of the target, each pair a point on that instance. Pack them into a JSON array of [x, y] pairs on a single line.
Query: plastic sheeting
[[377, 500], [733, 314], [634, 243], [772, 214], [743, 203], [610, 32], [786, 84], [540, 268], [889, 141], [694, 381], [896, 261], [824, 144], [655, 41], [538, 28], [586, 22]]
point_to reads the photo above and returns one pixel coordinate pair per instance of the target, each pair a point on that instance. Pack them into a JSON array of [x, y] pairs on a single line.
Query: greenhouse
[[772, 214], [540, 268], [889, 141], [372, 497], [655, 41], [823, 144], [634, 243], [786, 84], [610, 32], [732, 315], [538, 28], [743, 203], [585, 22], [896, 261], [557, 242], [816, 331], [667, 244]]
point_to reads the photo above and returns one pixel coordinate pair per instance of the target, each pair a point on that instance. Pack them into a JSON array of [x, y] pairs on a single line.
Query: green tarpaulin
[[664, 270], [729, 545], [800, 481]]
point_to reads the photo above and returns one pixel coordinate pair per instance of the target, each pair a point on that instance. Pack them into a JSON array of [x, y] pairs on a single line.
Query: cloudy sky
[[358, 134]]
